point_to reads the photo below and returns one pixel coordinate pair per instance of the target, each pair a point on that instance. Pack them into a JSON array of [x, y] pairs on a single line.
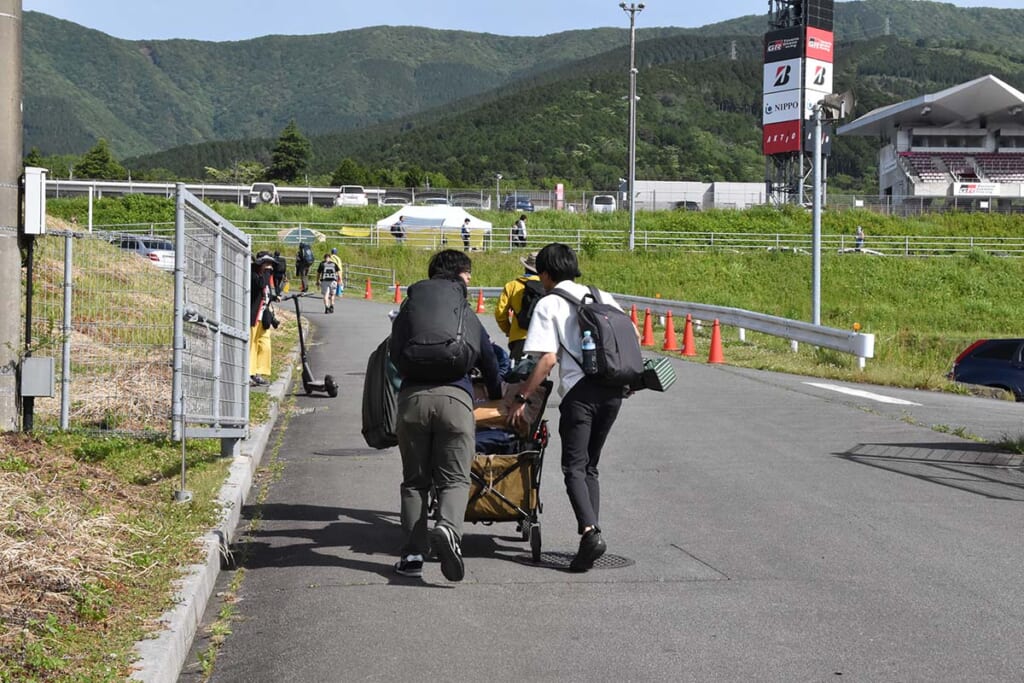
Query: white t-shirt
[[555, 329]]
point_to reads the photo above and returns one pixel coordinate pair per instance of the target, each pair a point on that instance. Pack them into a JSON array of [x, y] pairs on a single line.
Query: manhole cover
[[560, 560]]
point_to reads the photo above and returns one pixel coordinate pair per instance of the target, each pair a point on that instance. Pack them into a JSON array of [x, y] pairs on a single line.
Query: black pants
[[588, 413]]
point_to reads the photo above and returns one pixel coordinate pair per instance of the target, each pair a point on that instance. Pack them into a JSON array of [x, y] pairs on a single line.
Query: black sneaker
[[442, 540], [592, 546], [410, 565]]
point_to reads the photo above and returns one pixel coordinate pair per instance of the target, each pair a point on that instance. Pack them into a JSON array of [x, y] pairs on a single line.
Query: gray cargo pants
[[437, 438]]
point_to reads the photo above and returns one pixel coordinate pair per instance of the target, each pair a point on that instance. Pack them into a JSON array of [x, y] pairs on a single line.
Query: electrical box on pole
[[35, 201]]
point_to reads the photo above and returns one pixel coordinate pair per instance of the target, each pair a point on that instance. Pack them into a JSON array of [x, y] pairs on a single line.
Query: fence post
[[65, 356]]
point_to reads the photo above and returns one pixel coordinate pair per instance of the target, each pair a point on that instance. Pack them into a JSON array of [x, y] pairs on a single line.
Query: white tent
[[433, 218]]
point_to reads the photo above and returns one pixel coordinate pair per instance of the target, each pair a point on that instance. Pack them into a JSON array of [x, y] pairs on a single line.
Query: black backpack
[[305, 253], [533, 290], [436, 335], [380, 404], [619, 362]]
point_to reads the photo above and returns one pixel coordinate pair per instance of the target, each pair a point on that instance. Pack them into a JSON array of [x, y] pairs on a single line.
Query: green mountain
[[468, 105], [144, 96]]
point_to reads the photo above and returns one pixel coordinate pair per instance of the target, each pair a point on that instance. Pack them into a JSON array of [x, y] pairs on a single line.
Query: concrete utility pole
[[10, 172], [631, 9]]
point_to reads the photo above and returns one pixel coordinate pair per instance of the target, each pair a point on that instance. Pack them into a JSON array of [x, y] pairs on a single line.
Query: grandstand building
[[963, 145]]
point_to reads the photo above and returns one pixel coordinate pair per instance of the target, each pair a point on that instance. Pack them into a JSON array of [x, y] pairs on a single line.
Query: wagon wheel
[[535, 542]]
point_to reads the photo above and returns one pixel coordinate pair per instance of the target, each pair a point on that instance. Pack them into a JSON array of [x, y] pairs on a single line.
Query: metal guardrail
[[856, 344]]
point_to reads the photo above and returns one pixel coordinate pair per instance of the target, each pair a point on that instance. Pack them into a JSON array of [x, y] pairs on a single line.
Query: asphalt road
[[759, 528]]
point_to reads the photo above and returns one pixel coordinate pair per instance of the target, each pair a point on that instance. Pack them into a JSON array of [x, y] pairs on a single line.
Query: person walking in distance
[[341, 270], [280, 274], [858, 239], [515, 305], [465, 235], [588, 407], [398, 230], [303, 261], [327, 277], [519, 232], [435, 425]]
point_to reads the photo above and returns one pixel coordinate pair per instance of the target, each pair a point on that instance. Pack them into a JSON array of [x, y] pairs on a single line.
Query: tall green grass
[[921, 311]]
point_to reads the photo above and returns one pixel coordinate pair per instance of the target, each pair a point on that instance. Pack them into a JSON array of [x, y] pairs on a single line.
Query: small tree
[[290, 155], [99, 164], [349, 172], [34, 158]]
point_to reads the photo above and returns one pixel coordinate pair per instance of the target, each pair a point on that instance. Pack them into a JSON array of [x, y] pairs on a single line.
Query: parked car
[[158, 251], [602, 203], [352, 195], [435, 201], [688, 206], [263, 193], [994, 363], [517, 203]]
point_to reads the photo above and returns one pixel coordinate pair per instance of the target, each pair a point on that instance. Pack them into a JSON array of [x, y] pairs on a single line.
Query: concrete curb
[[162, 658]]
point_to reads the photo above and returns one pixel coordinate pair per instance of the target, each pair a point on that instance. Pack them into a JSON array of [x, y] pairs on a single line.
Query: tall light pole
[[497, 191], [632, 9]]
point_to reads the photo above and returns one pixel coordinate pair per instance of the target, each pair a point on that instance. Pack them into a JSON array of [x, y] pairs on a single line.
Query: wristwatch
[[520, 398]]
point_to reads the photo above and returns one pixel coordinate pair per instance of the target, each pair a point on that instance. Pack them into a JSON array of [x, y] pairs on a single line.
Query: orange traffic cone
[[369, 290], [480, 302], [632, 315], [398, 293], [715, 356], [670, 334], [689, 347], [648, 338]]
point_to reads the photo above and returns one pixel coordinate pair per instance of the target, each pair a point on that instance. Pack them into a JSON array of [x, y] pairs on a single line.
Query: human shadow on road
[[320, 533], [976, 468]]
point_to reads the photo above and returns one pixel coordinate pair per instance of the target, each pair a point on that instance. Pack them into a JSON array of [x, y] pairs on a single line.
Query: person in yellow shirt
[[515, 305], [341, 272]]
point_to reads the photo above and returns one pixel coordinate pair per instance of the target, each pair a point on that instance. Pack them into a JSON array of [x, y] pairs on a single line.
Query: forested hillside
[[143, 96], [698, 118]]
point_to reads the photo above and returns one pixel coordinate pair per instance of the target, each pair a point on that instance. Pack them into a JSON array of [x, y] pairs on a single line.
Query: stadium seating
[[923, 166], [959, 166], [1001, 167]]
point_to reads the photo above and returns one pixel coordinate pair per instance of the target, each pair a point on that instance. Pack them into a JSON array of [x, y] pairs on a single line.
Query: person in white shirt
[[588, 408]]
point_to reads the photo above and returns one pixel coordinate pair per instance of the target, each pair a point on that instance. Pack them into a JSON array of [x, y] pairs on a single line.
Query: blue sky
[[221, 20]]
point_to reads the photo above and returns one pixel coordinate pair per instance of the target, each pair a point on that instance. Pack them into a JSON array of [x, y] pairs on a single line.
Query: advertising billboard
[[782, 106], [783, 44], [818, 75], [781, 76], [781, 138], [820, 45]]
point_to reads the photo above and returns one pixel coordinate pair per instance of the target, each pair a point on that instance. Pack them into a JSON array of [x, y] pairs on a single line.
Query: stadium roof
[[986, 97]]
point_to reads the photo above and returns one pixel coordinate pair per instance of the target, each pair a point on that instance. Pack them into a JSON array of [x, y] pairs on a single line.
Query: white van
[[351, 195], [602, 203]]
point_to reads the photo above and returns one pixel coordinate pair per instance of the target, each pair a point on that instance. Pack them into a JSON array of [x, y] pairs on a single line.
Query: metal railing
[[267, 233], [858, 344]]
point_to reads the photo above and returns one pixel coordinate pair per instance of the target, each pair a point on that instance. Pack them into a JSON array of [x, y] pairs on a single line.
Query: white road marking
[[863, 394]]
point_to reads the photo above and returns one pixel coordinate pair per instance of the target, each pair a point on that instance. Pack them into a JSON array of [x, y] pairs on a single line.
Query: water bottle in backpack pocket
[[589, 353]]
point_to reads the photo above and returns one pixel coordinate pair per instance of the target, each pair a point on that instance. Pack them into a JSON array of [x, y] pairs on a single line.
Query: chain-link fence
[[106, 307]]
